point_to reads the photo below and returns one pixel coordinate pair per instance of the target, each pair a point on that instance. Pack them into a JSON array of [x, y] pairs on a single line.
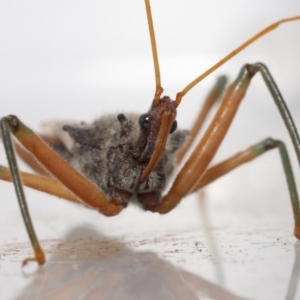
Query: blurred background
[[66, 60]]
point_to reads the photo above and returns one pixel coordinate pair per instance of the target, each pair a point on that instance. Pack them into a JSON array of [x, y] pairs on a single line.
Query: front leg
[[195, 167], [39, 253], [61, 170]]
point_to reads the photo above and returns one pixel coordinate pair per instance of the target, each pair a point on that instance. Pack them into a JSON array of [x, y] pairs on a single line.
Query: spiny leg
[[210, 100], [195, 167], [248, 155]]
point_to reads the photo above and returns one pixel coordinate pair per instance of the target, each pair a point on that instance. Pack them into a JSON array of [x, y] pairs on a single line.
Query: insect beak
[[167, 120]]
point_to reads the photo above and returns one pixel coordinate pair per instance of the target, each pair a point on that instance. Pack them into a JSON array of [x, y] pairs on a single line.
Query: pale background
[[82, 59]]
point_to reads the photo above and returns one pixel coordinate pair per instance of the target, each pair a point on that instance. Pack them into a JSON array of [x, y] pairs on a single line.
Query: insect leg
[[210, 100], [199, 160], [204, 152], [246, 156], [40, 183], [39, 254], [29, 160], [280, 103], [60, 169]]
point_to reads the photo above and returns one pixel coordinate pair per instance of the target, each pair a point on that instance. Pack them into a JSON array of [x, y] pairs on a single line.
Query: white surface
[[66, 60]]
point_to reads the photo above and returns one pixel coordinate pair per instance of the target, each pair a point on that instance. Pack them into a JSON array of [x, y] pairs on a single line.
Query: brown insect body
[[114, 150]]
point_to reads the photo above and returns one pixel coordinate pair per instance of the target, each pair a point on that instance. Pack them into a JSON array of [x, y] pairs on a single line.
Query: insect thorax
[[105, 150]]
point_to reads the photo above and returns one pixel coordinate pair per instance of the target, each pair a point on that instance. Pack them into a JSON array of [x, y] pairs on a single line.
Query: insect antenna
[[266, 30], [159, 90], [162, 113]]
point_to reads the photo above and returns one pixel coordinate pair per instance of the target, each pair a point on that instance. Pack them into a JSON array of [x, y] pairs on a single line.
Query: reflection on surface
[[258, 261], [293, 284], [99, 268]]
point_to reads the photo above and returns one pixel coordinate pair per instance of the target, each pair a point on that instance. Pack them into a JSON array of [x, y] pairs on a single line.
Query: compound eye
[[144, 121], [173, 127]]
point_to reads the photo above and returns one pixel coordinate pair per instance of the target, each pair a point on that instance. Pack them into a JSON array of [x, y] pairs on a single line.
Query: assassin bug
[[144, 151]]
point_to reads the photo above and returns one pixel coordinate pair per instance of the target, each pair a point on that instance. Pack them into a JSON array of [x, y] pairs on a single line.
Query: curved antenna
[[229, 56], [159, 90]]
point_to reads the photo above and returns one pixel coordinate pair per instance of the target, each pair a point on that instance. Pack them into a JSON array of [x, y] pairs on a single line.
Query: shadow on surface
[[101, 268]]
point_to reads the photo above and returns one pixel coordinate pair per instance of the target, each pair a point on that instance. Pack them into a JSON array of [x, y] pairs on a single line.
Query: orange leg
[[199, 160], [248, 155], [211, 99], [29, 160], [40, 183], [62, 171], [233, 162], [190, 175]]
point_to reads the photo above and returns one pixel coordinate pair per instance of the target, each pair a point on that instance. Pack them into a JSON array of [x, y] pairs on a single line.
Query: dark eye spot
[[122, 118], [144, 121], [174, 127]]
